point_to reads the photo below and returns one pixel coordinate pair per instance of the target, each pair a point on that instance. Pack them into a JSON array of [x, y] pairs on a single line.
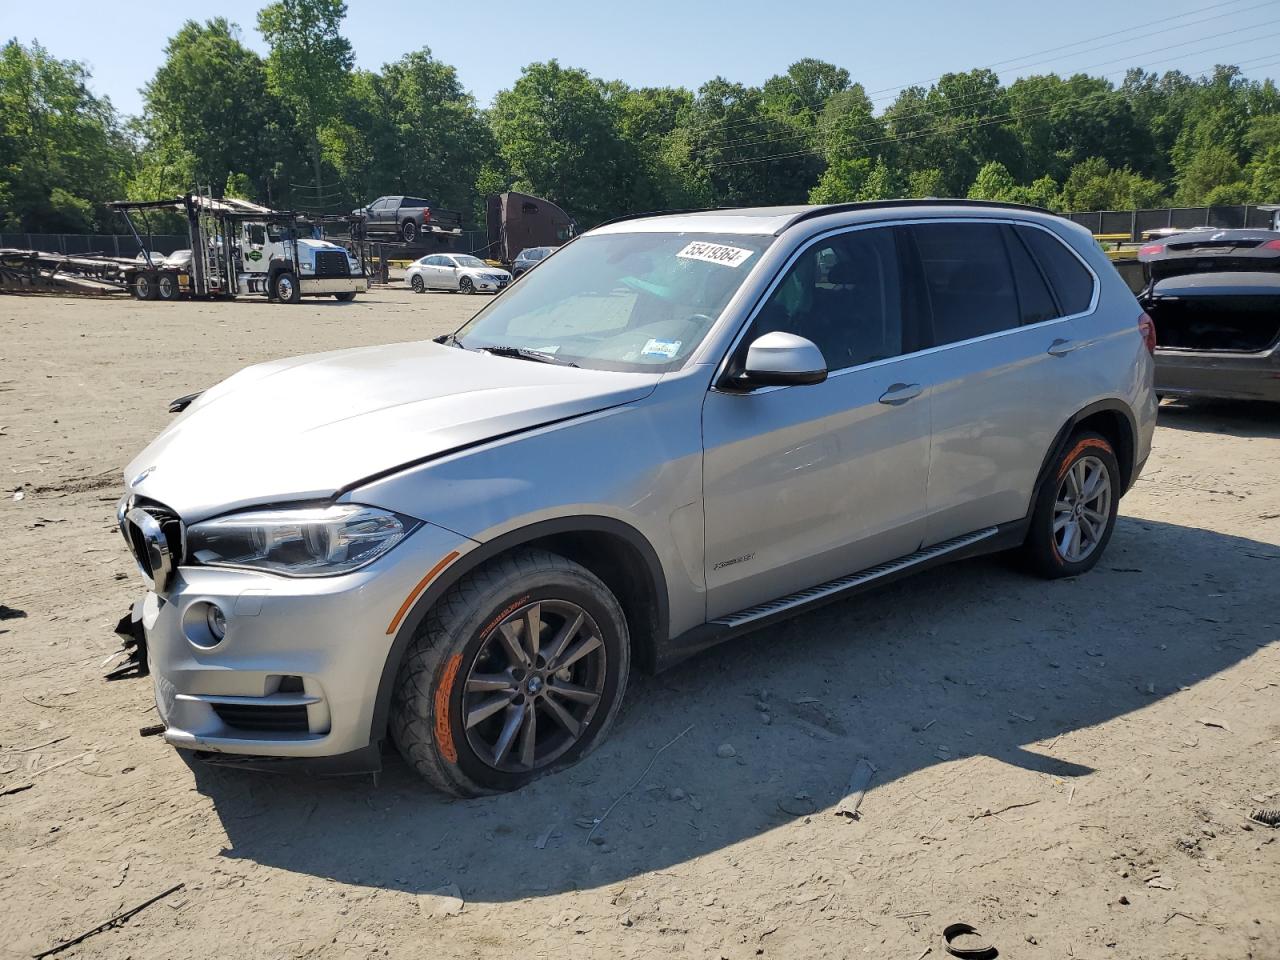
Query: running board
[[871, 574]]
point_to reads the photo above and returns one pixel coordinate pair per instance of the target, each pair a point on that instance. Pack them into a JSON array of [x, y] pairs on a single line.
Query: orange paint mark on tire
[[444, 732]]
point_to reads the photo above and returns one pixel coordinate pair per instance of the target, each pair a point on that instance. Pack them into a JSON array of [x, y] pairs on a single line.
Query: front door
[[803, 484]]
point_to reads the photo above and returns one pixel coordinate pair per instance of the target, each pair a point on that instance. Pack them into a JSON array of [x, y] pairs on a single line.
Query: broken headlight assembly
[[302, 542]]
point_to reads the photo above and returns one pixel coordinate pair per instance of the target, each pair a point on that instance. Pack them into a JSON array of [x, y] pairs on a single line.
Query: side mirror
[[780, 359]]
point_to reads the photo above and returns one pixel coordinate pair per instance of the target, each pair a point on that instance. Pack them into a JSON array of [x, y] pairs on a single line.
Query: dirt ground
[[1068, 766]]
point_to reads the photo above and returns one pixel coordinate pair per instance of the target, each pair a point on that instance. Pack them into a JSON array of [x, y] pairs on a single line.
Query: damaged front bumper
[[296, 675]]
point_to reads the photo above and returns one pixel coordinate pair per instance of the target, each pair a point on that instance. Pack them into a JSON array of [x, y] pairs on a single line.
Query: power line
[[1142, 26], [982, 122], [936, 113]]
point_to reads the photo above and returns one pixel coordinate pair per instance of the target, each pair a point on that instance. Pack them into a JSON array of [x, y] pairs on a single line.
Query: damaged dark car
[[1215, 299]]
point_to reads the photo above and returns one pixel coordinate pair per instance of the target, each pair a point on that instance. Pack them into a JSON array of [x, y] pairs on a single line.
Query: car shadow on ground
[[1238, 418], [972, 659]]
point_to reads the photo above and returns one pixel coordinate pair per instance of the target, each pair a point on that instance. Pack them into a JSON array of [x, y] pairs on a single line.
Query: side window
[[383, 204], [1067, 275], [968, 283], [843, 294], [436, 260], [1034, 298]]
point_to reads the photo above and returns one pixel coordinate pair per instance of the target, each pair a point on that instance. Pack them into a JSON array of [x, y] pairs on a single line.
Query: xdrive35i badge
[[729, 563]]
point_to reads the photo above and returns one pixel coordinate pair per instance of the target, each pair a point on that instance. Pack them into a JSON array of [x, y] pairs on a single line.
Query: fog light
[[216, 621]]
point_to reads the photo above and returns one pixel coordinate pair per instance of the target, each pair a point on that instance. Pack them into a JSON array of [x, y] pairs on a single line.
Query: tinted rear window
[[1067, 275], [1034, 298], [967, 277]]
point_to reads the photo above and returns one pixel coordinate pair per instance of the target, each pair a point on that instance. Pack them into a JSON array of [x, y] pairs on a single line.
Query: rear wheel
[[345, 297], [409, 231], [1075, 513], [144, 286], [285, 287], [517, 671], [167, 286], [466, 286], [417, 284]]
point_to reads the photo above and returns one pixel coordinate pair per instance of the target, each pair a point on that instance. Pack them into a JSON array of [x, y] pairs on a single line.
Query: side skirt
[[989, 540]]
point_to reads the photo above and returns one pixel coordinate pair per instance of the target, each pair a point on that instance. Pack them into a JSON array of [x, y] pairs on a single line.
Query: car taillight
[[1151, 249], [426, 216], [1147, 327], [1271, 245]]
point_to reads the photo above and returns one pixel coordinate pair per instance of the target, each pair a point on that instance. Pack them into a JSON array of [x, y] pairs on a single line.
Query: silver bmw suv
[[678, 429]]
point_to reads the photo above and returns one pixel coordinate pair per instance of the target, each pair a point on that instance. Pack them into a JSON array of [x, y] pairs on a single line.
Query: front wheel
[[466, 286], [409, 231], [517, 671], [286, 288], [1075, 512]]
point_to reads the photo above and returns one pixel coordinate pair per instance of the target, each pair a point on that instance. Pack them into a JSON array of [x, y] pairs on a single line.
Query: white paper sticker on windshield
[[662, 348], [715, 253]]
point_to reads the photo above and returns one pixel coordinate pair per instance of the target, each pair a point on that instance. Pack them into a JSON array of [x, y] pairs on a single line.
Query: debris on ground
[[443, 901], [863, 771], [118, 920]]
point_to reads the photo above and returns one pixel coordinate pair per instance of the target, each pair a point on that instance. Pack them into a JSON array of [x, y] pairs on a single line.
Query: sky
[[884, 45]]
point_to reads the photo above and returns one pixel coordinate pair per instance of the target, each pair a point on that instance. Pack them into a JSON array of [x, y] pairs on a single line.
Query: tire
[[357, 231], [167, 286], [458, 661], [1052, 549], [417, 284], [286, 288], [466, 286], [345, 297], [409, 231], [144, 286]]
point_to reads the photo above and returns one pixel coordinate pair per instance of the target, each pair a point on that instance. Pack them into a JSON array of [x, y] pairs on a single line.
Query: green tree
[[1094, 185], [1264, 177], [557, 133], [1206, 170], [63, 152], [207, 111], [993, 182], [309, 66]]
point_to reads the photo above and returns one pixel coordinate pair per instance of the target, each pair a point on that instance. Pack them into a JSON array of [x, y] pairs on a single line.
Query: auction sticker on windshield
[[661, 348], [715, 253]]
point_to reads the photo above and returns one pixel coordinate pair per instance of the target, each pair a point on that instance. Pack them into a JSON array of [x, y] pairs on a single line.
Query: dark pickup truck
[[405, 218]]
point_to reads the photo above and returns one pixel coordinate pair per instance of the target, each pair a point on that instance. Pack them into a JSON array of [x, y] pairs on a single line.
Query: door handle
[[1060, 348], [900, 393]]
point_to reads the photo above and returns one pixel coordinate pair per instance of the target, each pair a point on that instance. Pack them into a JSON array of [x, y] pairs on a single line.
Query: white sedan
[[455, 271]]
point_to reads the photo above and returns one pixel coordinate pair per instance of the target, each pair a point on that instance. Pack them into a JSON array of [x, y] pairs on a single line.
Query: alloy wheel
[[534, 686], [1082, 509]]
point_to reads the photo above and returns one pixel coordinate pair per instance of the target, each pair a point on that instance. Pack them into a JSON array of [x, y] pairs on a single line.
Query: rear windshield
[[620, 301]]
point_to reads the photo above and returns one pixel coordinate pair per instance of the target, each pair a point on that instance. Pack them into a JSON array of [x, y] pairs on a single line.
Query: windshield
[[620, 301], [469, 261]]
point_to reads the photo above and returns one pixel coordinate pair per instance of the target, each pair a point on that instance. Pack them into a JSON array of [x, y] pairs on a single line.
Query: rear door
[[803, 484], [1004, 364]]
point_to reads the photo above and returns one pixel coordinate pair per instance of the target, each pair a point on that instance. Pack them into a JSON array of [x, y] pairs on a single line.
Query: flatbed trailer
[[240, 249], [34, 271]]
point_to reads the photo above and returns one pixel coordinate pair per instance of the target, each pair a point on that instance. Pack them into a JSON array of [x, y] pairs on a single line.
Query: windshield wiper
[[523, 353]]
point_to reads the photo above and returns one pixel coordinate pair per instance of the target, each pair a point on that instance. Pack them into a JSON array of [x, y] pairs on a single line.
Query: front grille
[[332, 263], [263, 719], [170, 526]]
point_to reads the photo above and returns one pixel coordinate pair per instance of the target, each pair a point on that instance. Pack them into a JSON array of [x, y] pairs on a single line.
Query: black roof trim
[[823, 210]]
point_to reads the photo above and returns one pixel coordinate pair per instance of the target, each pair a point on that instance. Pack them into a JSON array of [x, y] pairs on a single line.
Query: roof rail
[[823, 209]]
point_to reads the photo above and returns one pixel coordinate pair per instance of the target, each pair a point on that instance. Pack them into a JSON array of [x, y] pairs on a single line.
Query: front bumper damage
[[294, 682]]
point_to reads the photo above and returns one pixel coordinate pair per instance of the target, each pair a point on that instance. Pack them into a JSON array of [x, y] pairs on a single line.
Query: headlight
[[307, 542]]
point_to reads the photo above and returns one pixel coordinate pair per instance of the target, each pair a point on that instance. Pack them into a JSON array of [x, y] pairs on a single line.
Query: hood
[[485, 270], [307, 427]]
